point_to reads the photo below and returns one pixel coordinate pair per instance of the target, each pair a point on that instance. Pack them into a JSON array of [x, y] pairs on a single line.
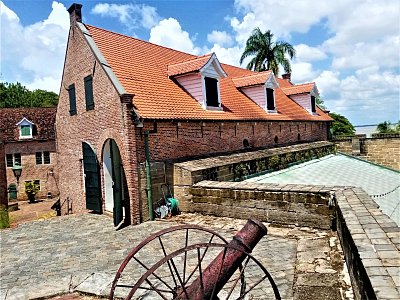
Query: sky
[[350, 48]]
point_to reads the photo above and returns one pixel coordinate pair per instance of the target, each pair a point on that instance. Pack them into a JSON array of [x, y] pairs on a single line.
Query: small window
[[211, 91], [46, 157], [9, 160], [17, 159], [313, 109], [270, 99], [89, 92], [72, 99], [13, 159], [26, 131], [39, 158]]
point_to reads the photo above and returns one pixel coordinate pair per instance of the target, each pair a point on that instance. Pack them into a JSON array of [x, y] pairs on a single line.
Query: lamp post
[[17, 170]]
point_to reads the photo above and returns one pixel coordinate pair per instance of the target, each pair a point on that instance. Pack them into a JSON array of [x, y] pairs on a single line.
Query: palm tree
[[268, 55]]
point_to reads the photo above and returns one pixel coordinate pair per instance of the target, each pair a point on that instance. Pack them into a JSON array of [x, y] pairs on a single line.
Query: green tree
[[387, 127], [341, 125], [267, 54], [320, 102], [17, 95]]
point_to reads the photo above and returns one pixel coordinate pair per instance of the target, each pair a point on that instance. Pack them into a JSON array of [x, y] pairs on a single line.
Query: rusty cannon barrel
[[221, 269]]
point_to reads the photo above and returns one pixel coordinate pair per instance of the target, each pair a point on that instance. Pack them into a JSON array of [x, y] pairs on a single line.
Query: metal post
[[148, 175]]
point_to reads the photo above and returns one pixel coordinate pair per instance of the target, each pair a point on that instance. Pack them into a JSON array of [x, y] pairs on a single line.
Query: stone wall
[[288, 205], [371, 245], [380, 149]]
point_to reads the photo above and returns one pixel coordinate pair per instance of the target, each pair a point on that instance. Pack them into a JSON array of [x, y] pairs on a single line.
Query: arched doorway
[[91, 172], [115, 183]]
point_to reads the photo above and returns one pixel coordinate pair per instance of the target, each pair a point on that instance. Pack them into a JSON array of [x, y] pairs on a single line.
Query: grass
[[4, 218]]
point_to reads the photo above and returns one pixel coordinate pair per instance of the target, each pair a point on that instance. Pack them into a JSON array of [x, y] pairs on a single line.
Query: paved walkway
[[83, 252]]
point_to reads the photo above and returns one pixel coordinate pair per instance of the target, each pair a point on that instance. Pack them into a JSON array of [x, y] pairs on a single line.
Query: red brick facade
[[3, 178], [174, 139], [110, 119]]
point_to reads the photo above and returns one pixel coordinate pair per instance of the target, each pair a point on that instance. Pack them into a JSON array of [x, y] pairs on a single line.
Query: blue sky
[[350, 48]]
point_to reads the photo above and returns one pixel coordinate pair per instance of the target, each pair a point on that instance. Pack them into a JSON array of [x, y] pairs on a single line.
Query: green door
[[12, 191], [117, 182], [92, 178]]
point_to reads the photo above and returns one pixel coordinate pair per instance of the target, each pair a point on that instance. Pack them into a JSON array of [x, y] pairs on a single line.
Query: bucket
[[173, 203]]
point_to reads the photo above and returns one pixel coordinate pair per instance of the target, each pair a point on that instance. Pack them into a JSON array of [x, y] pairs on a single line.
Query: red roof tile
[[299, 89], [144, 68], [187, 66], [251, 79]]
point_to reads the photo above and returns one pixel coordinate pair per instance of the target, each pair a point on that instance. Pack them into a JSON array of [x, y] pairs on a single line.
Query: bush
[[4, 218]]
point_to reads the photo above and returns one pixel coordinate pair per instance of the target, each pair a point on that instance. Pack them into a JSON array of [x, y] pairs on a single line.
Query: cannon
[[189, 262]]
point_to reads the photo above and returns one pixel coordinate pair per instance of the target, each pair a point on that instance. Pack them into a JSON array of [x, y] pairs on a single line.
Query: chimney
[[75, 13], [287, 76]]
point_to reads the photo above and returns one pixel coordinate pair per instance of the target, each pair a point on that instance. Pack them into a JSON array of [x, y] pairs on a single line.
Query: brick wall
[[384, 151], [47, 174], [174, 139], [109, 119]]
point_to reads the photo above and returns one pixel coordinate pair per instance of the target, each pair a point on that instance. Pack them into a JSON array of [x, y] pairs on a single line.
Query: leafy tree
[[341, 125], [386, 127], [320, 102], [267, 54], [17, 95]]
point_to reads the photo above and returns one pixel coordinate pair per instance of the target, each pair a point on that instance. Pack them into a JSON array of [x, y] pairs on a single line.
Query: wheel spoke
[[169, 265], [155, 275], [204, 254], [219, 272], [184, 261], [257, 283], [237, 279], [156, 290], [200, 272]]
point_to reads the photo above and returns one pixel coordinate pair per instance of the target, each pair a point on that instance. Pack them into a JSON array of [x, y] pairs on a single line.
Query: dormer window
[[25, 129], [212, 93], [200, 77], [313, 108], [304, 95], [259, 87], [270, 99]]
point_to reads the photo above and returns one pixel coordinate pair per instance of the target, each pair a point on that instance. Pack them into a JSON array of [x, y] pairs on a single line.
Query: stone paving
[[81, 253]]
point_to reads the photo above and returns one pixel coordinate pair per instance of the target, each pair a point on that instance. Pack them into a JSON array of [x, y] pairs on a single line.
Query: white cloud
[[35, 53], [230, 56], [131, 15], [221, 38], [306, 53], [328, 82], [169, 33], [302, 72]]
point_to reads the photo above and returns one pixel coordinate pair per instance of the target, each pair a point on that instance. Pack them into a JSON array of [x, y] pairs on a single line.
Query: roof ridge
[[140, 40]]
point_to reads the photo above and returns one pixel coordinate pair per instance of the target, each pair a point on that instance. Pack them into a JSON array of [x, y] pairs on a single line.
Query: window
[[43, 158], [38, 158], [13, 159], [25, 128], [270, 99], [89, 92], [26, 131], [211, 91], [72, 100], [313, 109]]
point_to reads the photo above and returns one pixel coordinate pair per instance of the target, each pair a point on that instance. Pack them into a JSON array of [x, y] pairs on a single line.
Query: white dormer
[[200, 77], [259, 87], [25, 128], [304, 95]]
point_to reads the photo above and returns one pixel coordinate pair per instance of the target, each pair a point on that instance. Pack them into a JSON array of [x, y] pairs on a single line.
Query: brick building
[[29, 141], [118, 91]]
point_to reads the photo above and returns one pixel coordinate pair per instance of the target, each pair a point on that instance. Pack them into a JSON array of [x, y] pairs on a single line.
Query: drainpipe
[[148, 175]]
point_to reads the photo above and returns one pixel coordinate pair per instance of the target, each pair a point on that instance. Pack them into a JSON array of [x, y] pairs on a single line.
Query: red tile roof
[[187, 66], [299, 89], [143, 69], [251, 79]]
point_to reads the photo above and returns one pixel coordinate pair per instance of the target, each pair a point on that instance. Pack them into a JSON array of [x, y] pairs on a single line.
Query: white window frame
[[25, 122]]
